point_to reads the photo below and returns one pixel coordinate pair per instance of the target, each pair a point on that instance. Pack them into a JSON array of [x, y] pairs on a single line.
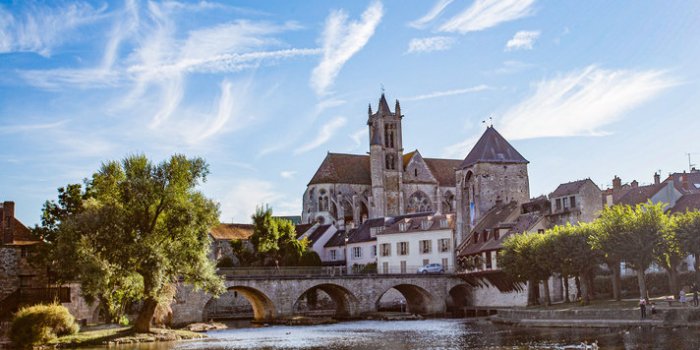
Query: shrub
[[225, 262], [41, 323]]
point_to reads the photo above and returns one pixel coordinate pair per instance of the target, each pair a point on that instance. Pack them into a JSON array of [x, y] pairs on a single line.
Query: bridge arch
[[346, 303], [418, 300], [263, 307], [459, 296]]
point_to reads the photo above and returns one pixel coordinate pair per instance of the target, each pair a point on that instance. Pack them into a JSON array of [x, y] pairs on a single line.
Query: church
[[349, 189]]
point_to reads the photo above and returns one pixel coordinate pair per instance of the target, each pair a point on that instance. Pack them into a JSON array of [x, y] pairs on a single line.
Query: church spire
[[383, 105], [397, 109]]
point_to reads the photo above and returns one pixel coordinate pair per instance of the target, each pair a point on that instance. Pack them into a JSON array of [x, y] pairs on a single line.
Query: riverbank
[[121, 335], [619, 315]]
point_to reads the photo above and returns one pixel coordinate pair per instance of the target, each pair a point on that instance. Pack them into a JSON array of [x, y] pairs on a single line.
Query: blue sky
[[263, 89]]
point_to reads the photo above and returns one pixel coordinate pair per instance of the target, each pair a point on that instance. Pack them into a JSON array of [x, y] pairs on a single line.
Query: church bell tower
[[386, 154]]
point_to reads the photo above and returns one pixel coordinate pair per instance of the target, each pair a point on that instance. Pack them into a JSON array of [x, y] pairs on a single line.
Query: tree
[[518, 259], [671, 253], [275, 242], [578, 258], [141, 227], [687, 229], [607, 227]]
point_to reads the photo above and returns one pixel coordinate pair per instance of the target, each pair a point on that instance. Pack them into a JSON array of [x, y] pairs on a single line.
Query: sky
[[264, 89]]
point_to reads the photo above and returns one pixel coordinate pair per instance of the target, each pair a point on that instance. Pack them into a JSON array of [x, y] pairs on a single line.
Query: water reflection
[[440, 334]]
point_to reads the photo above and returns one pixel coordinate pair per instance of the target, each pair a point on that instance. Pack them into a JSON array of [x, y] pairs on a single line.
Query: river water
[[442, 334]]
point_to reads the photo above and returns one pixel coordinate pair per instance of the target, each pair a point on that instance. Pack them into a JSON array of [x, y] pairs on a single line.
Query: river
[[436, 334]]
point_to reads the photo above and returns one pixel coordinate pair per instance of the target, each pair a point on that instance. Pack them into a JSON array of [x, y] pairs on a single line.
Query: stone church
[[348, 189]]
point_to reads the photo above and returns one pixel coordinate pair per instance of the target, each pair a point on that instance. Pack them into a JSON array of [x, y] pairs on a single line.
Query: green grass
[[123, 335]]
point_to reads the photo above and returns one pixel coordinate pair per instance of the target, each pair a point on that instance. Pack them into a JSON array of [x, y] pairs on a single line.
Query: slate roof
[[492, 148], [302, 228], [688, 202], [228, 232], [338, 239], [415, 223], [362, 232], [383, 105], [640, 194], [343, 168], [681, 180], [568, 188], [318, 233], [496, 217]]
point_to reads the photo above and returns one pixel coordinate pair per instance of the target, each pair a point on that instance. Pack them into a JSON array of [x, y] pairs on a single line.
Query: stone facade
[[275, 297], [574, 202]]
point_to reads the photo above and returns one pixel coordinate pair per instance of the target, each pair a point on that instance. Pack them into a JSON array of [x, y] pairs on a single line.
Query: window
[[385, 267], [443, 223], [565, 202], [425, 246], [390, 162], [496, 234], [25, 281], [403, 226], [425, 224], [444, 264], [403, 266], [402, 248], [333, 254], [415, 172], [385, 249], [374, 250], [488, 260], [356, 252], [572, 199], [540, 230], [558, 203], [444, 245], [475, 238]]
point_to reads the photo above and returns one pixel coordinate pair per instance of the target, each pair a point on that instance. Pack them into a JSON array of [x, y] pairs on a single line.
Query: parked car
[[431, 268]]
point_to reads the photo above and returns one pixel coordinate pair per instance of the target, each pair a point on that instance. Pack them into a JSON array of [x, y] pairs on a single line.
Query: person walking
[[643, 307]]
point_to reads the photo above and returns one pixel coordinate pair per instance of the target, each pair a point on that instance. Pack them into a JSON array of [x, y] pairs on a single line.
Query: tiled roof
[[227, 232], [414, 223], [343, 168], [362, 233], [639, 195], [443, 170], [568, 188], [21, 235], [492, 148], [688, 202], [407, 158], [496, 217], [685, 182]]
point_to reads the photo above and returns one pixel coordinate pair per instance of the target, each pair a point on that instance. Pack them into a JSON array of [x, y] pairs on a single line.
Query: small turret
[[397, 109], [369, 110]]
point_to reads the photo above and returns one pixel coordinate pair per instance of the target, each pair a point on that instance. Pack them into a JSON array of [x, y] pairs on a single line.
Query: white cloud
[[460, 149], [512, 66], [435, 11], [224, 113], [477, 88], [288, 174], [240, 201], [340, 41], [326, 132], [483, 14], [435, 43], [522, 40], [41, 28], [360, 136], [581, 102]]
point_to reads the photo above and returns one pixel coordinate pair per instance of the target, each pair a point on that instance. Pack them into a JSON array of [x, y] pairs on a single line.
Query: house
[[223, 234], [573, 202], [405, 244]]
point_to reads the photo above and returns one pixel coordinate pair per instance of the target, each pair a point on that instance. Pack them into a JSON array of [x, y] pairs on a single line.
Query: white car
[[431, 268]]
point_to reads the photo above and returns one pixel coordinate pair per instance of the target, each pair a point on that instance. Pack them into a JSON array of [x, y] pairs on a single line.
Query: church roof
[[343, 168], [383, 105], [443, 170], [492, 148]]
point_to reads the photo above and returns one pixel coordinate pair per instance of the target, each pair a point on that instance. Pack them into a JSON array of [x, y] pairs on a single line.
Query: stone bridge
[[274, 297]]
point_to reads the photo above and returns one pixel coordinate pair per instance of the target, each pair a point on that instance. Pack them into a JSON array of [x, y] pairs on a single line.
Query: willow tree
[[143, 225], [687, 229]]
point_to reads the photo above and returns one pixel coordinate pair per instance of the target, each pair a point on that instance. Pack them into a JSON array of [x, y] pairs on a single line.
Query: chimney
[[684, 180], [657, 178], [617, 183], [8, 214], [634, 184]]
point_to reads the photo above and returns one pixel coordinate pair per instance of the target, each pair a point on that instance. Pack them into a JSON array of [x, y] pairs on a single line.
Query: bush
[[40, 324], [657, 284]]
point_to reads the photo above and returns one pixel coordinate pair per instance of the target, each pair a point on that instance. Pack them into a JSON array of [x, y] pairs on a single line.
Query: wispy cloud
[[580, 103], [326, 132], [477, 88], [522, 40], [340, 41], [511, 66], [287, 174], [224, 112], [40, 29], [241, 199], [483, 14], [435, 11], [435, 43], [19, 128], [360, 136]]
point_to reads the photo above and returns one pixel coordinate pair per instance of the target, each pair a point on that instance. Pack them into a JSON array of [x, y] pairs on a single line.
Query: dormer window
[[572, 200], [475, 238], [403, 226], [485, 235], [425, 224], [496, 234], [443, 223]]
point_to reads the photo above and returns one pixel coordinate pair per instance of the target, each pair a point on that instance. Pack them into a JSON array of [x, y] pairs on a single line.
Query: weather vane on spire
[[490, 121], [381, 86]]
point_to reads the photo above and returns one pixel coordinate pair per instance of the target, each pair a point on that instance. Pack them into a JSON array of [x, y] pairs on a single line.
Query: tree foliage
[[687, 230], [135, 228]]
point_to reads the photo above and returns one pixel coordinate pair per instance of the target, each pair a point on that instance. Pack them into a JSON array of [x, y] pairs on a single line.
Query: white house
[[406, 244]]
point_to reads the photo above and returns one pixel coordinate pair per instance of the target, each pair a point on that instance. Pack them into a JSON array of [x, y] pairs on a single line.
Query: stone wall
[[9, 271], [79, 308], [490, 296]]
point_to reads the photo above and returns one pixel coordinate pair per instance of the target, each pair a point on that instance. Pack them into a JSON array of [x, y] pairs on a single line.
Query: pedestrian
[[643, 307], [653, 309], [695, 294], [682, 297]]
